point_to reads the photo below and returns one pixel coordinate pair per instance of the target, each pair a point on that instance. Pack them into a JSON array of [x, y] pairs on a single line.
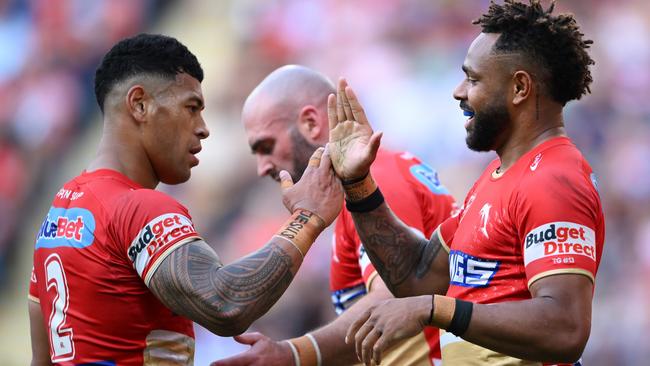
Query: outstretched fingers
[[331, 111], [347, 109], [356, 109], [340, 112], [373, 144]]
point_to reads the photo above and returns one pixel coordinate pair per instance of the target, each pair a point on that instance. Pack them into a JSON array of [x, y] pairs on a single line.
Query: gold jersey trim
[[164, 255], [33, 298], [371, 278], [552, 272], [442, 240]]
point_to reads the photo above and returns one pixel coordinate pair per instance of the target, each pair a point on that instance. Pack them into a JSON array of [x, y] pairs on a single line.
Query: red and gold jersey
[[413, 191], [541, 217], [95, 253]]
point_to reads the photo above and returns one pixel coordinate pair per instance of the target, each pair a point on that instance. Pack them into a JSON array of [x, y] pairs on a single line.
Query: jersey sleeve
[[559, 224], [435, 202], [415, 195], [346, 279], [33, 288], [446, 231], [147, 226]]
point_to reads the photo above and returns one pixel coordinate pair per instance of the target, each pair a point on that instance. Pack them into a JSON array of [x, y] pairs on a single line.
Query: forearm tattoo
[[397, 253], [192, 282]]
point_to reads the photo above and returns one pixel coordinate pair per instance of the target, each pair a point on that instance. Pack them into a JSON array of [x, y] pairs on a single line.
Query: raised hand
[[318, 191], [353, 144], [263, 352], [383, 325]]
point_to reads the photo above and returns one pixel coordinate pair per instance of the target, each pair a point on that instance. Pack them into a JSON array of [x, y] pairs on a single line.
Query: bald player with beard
[[285, 118]]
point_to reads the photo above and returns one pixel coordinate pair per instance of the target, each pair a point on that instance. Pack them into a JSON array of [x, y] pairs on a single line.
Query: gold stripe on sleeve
[[552, 272]]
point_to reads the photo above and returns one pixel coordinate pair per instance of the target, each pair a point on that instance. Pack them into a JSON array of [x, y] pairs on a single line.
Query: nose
[[264, 166], [202, 130], [460, 93]]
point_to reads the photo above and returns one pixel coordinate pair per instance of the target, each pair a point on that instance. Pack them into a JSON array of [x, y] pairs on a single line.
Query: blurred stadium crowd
[[402, 57]]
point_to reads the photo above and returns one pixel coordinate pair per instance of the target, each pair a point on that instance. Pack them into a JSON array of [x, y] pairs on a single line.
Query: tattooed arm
[[409, 264], [192, 282]]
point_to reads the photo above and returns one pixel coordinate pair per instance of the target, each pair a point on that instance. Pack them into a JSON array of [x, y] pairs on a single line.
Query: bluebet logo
[[66, 227]]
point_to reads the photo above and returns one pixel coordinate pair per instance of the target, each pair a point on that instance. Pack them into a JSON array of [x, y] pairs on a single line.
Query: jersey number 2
[[61, 343]]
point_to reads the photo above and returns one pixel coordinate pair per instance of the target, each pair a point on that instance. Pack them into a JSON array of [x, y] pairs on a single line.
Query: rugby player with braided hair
[[510, 279]]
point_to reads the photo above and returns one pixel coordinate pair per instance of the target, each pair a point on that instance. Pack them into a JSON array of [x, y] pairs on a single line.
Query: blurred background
[[402, 57]]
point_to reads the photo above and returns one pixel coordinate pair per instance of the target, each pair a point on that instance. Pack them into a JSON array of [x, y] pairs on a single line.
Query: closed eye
[[263, 147]]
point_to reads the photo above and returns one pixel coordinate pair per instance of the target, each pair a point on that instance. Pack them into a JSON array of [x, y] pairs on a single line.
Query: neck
[[120, 152], [532, 132]]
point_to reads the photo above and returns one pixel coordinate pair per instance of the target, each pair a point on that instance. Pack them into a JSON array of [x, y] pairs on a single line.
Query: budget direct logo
[[66, 227], [559, 238], [156, 234]]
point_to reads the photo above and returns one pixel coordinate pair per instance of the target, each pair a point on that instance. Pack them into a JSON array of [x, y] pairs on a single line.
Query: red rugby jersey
[[541, 217], [413, 191], [96, 251]]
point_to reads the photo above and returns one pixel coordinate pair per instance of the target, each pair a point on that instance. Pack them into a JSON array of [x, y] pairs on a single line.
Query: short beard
[[488, 127], [302, 151]]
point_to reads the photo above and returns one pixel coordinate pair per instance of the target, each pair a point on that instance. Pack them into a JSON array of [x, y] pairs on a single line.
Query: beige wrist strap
[[308, 350], [301, 230], [443, 311], [357, 191]]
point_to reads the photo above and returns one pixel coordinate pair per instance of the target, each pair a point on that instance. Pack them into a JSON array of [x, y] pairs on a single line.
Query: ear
[[136, 103], [522, 87], [310, 124]]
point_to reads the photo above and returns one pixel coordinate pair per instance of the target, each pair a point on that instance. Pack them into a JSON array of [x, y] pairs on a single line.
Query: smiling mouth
[[467, 113]]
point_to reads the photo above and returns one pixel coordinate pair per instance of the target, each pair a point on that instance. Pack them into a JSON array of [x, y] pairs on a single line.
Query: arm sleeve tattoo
[[398, 254], [192, 282]]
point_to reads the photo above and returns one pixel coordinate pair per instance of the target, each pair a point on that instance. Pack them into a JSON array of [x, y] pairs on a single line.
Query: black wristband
[[374, 200], [462, 316], [430, 322], [355, 180]]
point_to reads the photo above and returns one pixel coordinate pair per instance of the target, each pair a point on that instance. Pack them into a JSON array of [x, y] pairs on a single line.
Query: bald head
[[285, 118], [289, 88]]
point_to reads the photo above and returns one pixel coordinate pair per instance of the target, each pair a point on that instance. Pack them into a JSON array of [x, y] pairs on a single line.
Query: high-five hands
[[353, 144], [318, 190]]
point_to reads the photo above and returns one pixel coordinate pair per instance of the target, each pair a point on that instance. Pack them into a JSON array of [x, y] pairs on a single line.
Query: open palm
[[353, 144]]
